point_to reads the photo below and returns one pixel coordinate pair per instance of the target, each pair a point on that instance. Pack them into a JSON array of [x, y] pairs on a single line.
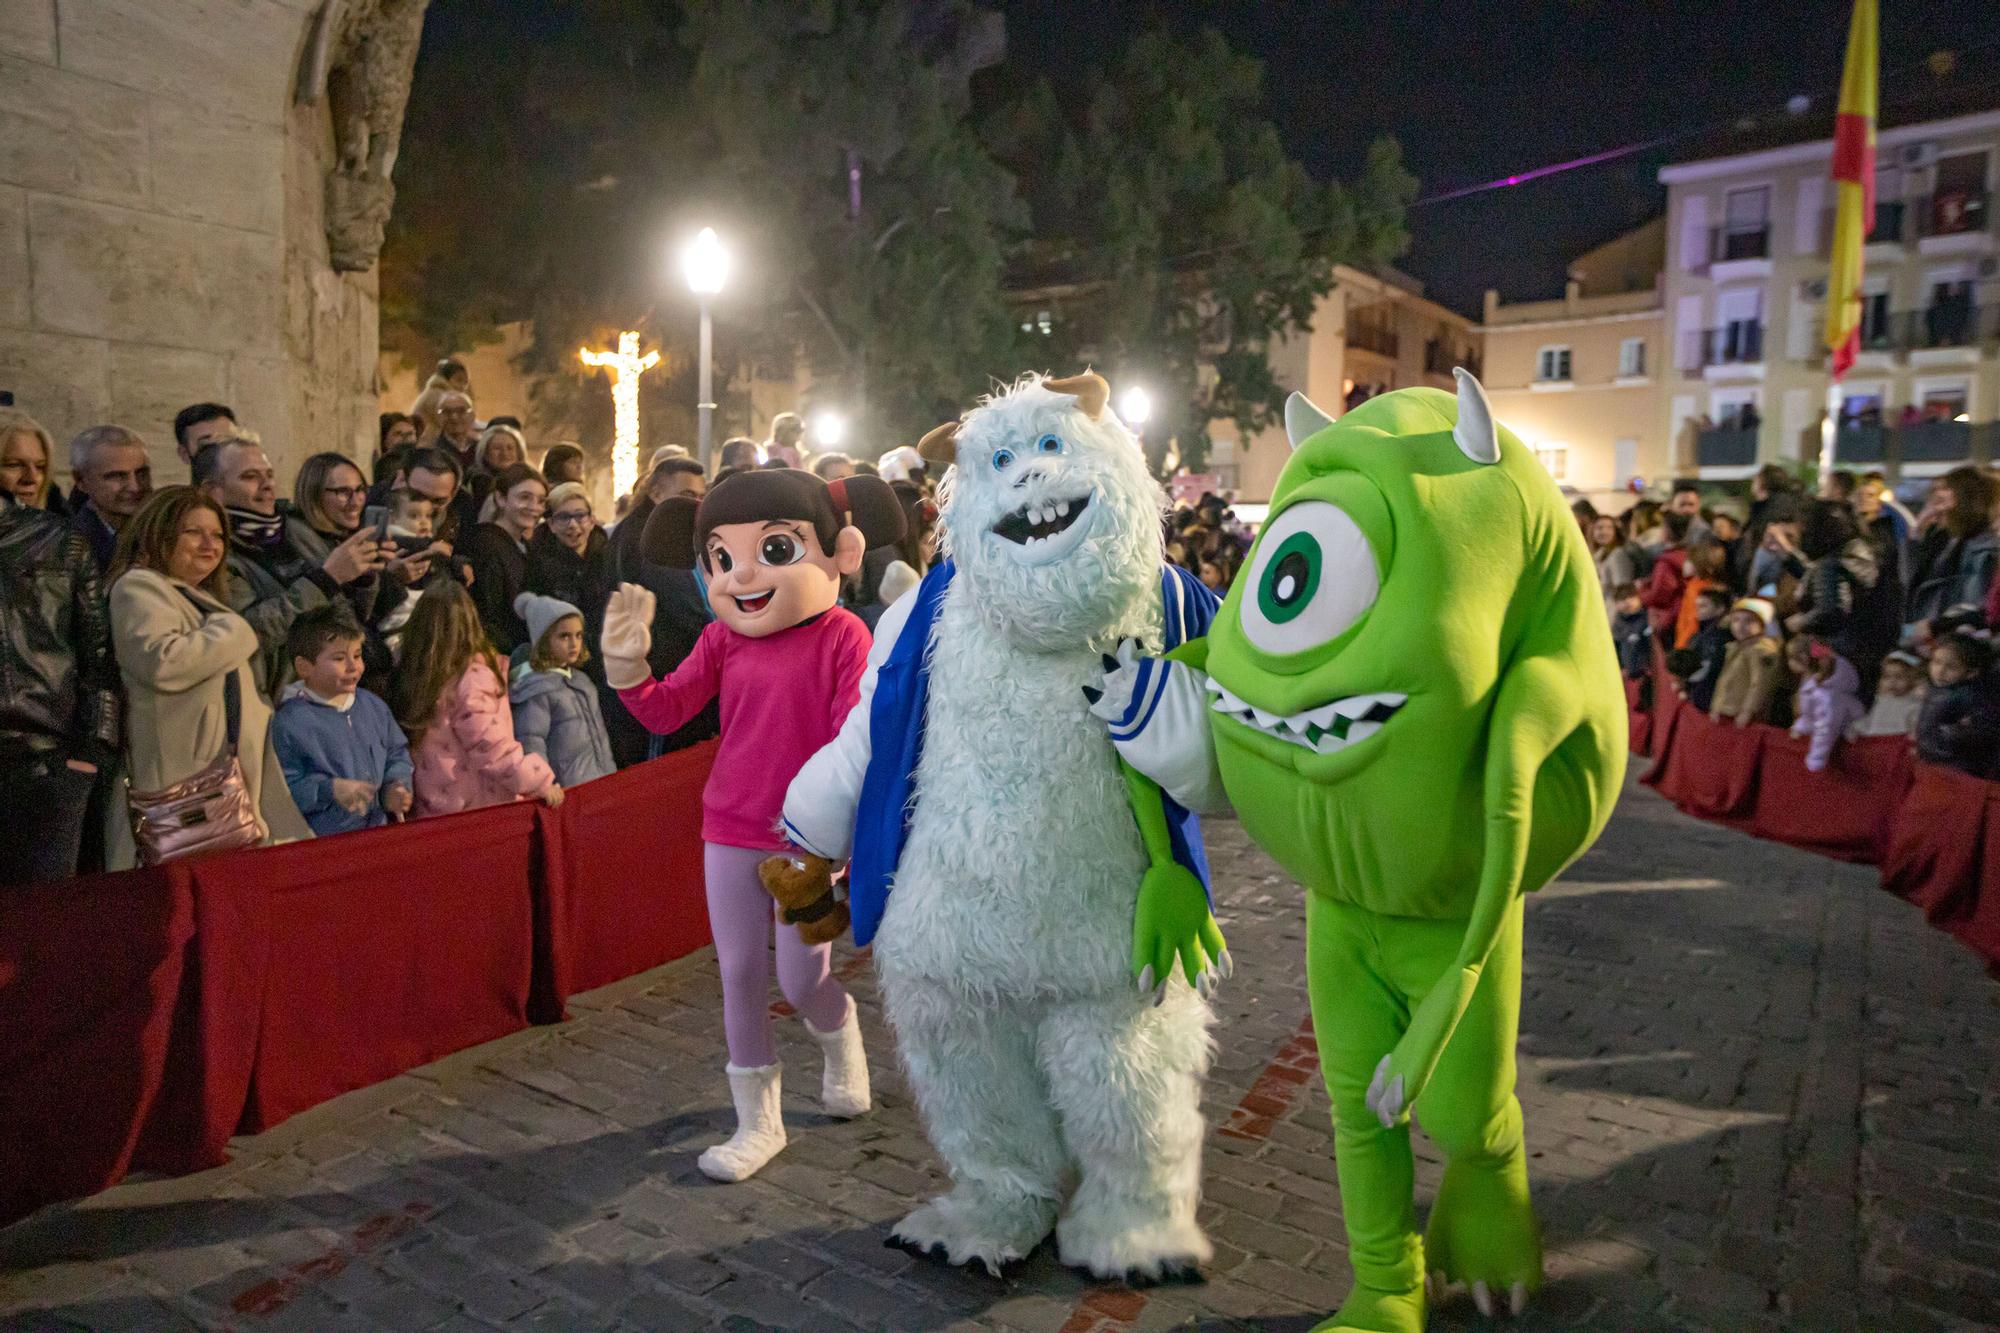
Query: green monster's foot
[[1367, 1310], [1483, 1233]]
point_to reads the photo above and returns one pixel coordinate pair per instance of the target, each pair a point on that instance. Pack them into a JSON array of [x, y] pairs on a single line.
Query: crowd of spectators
[[370, 645], [1837, 614]]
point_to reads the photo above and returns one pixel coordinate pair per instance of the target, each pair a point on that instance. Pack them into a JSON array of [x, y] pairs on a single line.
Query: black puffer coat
[[58, 681]]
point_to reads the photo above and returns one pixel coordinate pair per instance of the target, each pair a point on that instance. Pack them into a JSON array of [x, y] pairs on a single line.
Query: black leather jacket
[[58, 680]]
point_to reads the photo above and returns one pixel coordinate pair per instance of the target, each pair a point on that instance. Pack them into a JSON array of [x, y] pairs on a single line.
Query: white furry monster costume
[[1048, 1083]]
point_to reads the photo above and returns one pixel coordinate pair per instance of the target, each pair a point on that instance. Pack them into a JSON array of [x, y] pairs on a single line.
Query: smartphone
[[409, 546], [382, 526]]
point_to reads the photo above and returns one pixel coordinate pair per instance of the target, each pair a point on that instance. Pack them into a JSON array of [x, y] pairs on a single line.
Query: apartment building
[[1578, 378], [1744, 293], [1373, 332]]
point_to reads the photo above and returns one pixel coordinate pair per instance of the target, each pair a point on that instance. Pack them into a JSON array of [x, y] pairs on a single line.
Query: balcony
[[1855, 445], [1716, 350], [1440, 360], [1933, 444], [1944, 327], [1956, 212], [1726, 245], [1373, 338], [1726, 446], [1892, 219]]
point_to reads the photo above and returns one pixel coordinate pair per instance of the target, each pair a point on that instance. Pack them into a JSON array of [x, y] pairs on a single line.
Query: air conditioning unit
[[1917, 154], [1813, 289]]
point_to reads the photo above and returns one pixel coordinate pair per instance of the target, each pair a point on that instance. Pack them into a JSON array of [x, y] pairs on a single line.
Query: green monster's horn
[[1303, 420], [1475, 433]]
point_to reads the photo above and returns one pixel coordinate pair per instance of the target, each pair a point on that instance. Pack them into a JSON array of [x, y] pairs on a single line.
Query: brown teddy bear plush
[[803, 886]]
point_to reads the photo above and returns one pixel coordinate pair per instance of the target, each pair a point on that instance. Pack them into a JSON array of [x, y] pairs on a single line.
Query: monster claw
[[1435, 1286], [1111, 664], [1092, 694], [1227, 965], [1160, 995], [1483, 1298], [1146, 979], [1517, 1298]]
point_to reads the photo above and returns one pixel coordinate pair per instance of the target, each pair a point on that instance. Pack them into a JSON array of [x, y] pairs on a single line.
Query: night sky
[[1480, 91]]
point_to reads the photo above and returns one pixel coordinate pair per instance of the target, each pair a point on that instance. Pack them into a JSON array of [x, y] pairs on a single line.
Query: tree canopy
[[901, 203]]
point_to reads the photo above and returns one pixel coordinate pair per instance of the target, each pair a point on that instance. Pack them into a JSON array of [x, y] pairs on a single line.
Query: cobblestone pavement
[[1760, 1093]]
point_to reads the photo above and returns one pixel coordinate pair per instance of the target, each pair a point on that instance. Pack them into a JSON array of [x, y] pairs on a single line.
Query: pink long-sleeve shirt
[[469, 757], [783, 697]]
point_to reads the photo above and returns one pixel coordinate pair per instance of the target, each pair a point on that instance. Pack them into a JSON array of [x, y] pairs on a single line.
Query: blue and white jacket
[[853, 800]]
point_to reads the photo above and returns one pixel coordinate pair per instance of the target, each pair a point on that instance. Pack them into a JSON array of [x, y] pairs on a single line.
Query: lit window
[[1554, 459], [1552, 363], [1632, 357]]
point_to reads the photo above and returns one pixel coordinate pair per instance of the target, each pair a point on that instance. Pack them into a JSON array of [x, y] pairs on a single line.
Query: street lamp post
[[706, 265]]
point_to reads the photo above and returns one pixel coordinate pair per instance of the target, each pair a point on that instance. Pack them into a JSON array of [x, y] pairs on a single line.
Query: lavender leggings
[[741, 915]]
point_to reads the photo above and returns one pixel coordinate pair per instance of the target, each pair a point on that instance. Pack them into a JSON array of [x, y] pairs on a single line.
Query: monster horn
[[941, 444], [1090, 388], [1303, 419], [1477, 438]]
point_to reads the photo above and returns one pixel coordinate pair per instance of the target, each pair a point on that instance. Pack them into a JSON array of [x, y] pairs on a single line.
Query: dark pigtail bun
[[669, 536], [870, 505]]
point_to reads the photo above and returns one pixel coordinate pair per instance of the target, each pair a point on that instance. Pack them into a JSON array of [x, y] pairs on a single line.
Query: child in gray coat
[[555, 704]]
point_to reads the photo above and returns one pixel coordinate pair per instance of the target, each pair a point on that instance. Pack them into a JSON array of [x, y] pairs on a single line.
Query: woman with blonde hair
[[177, 644], [25, 451]]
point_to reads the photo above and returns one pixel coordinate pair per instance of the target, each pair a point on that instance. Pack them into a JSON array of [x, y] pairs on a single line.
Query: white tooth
[[1361, 731], [1041, 515], [1062, 509], [1322, 716], [1328, 743], [1264, 719]]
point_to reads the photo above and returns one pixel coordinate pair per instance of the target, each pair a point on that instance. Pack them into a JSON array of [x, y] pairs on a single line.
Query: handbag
[[210, 811]]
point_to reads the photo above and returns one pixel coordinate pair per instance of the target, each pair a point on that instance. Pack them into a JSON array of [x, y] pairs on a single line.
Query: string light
[[626, 366]]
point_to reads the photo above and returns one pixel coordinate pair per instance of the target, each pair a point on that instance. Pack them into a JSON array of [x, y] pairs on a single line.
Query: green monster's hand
[[1172, 920], [1404, 1073]]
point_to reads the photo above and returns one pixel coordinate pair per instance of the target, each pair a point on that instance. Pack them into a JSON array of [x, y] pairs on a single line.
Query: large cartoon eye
[[780, 548], [1049, 444], [1002, 459], [1312, 577], [718, 555]]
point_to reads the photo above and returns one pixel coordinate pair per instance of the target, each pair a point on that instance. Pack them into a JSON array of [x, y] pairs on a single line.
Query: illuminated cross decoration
[[626, 367]]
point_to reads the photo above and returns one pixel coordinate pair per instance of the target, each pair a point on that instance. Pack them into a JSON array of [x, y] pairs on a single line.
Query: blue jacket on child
[[317, 743], [557, 717]]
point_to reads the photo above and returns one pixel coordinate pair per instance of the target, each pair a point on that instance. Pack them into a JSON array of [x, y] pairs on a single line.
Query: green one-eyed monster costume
[[1411, 700]]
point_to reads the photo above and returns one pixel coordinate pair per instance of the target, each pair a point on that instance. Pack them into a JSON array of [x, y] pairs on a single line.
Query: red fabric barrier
[[1638, 721], [89, 971], [370, 953], [1936, 847], [1708, 768], [1844, 812], [628, 895]]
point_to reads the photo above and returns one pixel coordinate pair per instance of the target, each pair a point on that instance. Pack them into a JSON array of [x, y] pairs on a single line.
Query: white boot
[[843, 1088], [760, 1126]]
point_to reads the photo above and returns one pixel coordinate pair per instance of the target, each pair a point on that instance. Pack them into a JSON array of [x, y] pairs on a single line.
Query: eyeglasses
[[343, 492], [574, 516]]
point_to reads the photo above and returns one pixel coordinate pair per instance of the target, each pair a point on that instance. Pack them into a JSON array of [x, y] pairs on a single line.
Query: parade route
[[1760, 1093]]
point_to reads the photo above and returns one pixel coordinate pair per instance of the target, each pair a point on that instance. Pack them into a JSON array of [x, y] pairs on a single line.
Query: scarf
[[262, 533]]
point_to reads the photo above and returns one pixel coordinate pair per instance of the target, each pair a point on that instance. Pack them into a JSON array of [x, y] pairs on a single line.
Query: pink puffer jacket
[[469, 757]]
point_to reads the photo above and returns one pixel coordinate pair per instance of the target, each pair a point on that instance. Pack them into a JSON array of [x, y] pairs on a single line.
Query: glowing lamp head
[[829, 429], [1135, 405], [705, 263]]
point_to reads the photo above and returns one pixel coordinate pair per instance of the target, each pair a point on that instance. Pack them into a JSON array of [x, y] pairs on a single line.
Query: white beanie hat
[[899, 463], [541, 612]]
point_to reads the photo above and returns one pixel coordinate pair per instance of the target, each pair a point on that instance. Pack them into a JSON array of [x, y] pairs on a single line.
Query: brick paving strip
[[1752, 1084]]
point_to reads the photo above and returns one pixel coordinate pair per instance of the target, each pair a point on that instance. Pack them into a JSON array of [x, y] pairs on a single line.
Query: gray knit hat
[[540, 613]]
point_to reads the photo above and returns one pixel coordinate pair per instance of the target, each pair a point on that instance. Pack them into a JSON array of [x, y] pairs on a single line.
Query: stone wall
[[163, 227]]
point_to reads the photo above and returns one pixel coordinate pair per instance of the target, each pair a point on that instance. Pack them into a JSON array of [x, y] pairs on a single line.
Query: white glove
[[628, 636], [1157, 713]]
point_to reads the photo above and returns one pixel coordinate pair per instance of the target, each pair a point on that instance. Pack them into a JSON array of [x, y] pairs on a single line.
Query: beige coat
[[173, 661]]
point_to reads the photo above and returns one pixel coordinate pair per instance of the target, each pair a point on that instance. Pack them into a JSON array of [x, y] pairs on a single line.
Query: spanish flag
[[1853, 186]]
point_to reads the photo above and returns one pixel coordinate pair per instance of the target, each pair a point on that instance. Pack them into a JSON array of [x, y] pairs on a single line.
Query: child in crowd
[[450, 701], [1706, 648], [1631, 630], [1960, 722], [1899, 698], [1829, 697], [1707, 569], [555, 704], [411, 514], [1751, 669], [344, 757]]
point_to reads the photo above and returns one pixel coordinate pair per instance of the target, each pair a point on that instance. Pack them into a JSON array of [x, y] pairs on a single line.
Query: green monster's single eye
[[1312, 576], [1291, 579]]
